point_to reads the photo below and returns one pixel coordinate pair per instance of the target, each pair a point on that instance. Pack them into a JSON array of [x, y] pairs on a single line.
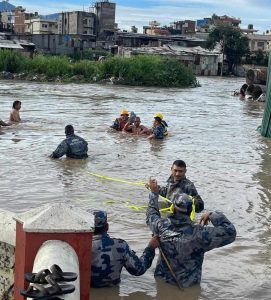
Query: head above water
[[178, 170], [69, 130], [137, 121], [100, 221], [17, 104], [182, 204]]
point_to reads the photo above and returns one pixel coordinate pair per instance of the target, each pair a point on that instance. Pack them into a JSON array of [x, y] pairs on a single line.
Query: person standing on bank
[[110, 255], [73, 146], [177, 183], [183, 242]]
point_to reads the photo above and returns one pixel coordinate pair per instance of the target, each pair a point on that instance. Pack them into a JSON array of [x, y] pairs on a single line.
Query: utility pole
[[223, 53]]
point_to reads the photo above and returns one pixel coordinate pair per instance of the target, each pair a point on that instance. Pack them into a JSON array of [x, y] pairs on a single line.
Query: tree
[[233, 43]]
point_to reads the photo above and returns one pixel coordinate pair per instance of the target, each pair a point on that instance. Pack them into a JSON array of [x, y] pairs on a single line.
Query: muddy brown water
[[214, 132]]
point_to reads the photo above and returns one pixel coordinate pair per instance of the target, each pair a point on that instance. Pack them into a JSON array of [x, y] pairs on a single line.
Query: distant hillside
[[5, 6], [50, 17]]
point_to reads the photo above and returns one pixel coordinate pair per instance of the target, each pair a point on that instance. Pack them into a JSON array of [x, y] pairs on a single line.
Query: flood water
[[212, 131]]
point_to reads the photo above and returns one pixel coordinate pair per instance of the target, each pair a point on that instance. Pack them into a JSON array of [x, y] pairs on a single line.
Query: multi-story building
[[76, 22], [7, 20], [41, 26], [105, 12], [20, 17], [207, 24], [183, 27]]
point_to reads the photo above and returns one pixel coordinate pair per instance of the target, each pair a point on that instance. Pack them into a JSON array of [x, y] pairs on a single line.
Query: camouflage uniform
[[159, 132], [110, 255], [182, 186], [184, 242], [73, 146]]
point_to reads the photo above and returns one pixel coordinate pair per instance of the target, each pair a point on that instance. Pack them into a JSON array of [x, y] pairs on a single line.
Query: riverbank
[[139, 70]]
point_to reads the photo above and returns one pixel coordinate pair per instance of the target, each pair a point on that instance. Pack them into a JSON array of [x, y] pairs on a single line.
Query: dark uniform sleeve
[[223, 232], [138, 266], [163, 191], [61, 150], [116, 125], [153, 216]]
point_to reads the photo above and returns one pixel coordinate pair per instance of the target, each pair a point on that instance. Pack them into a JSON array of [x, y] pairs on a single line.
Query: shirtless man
[[136, 128], [15, 115]]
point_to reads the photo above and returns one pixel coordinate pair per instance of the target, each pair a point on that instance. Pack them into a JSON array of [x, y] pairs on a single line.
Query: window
[[44, 25]]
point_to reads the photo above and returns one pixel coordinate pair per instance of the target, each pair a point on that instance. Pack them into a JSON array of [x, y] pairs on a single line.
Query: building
[[20, 17], [41, 26], [7, 20], [207, 24], [183, 27], [76, 22], [140, 40], [200, 60], [259, 42], [105, 12]]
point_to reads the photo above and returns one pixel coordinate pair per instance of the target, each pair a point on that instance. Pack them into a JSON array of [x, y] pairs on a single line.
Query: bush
[[11, 61], [142, 70], [147, 70]]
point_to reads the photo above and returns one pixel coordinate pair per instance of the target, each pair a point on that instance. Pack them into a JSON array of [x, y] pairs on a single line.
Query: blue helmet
[[182, 203], [100, 218]]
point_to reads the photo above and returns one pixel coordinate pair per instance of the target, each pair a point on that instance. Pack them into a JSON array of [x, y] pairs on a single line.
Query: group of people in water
[[250, 92], [181, 242], [14, 116], [130, 123]]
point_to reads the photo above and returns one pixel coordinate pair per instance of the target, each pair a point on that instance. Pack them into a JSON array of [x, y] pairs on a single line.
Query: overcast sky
[[140, 12]]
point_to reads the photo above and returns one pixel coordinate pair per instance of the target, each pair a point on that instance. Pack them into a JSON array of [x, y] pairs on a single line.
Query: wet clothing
[[73, 146], [165, 125], [184, 242], [110, 255], [182, 186], [119, 124], [158, 132]]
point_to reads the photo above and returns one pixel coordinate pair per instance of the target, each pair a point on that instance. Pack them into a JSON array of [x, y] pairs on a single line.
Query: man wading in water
[[73, 146], [183, 242]]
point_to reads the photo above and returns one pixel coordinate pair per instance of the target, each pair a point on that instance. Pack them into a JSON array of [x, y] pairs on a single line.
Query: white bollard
[[62, 254]]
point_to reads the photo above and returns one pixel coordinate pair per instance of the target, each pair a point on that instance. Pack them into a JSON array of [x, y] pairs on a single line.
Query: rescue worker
[[163, 122], [177, 183], [73, 146], [110, 255], [120, 122], [182, 241], [158, 130]]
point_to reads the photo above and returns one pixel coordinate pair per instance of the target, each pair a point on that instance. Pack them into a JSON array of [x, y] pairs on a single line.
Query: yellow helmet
[[159, 115], [124, 111]]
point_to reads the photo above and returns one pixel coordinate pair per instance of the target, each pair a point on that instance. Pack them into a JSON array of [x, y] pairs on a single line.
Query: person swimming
[[15, 114]]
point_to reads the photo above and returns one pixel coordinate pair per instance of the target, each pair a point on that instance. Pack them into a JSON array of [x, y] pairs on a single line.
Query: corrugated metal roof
[[10, 44]]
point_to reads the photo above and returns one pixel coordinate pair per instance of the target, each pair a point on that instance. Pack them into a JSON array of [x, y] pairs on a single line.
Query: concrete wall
[[77, 22], [7, 250], [62, 44]]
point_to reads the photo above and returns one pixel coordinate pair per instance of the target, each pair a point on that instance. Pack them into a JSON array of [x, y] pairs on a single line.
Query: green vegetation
[[257, 58], [232, 41], [137, 70]]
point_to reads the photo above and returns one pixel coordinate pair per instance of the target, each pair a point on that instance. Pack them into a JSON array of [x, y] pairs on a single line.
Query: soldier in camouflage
[[178, 183], [184, 242], [110, 255], [73, 146]]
